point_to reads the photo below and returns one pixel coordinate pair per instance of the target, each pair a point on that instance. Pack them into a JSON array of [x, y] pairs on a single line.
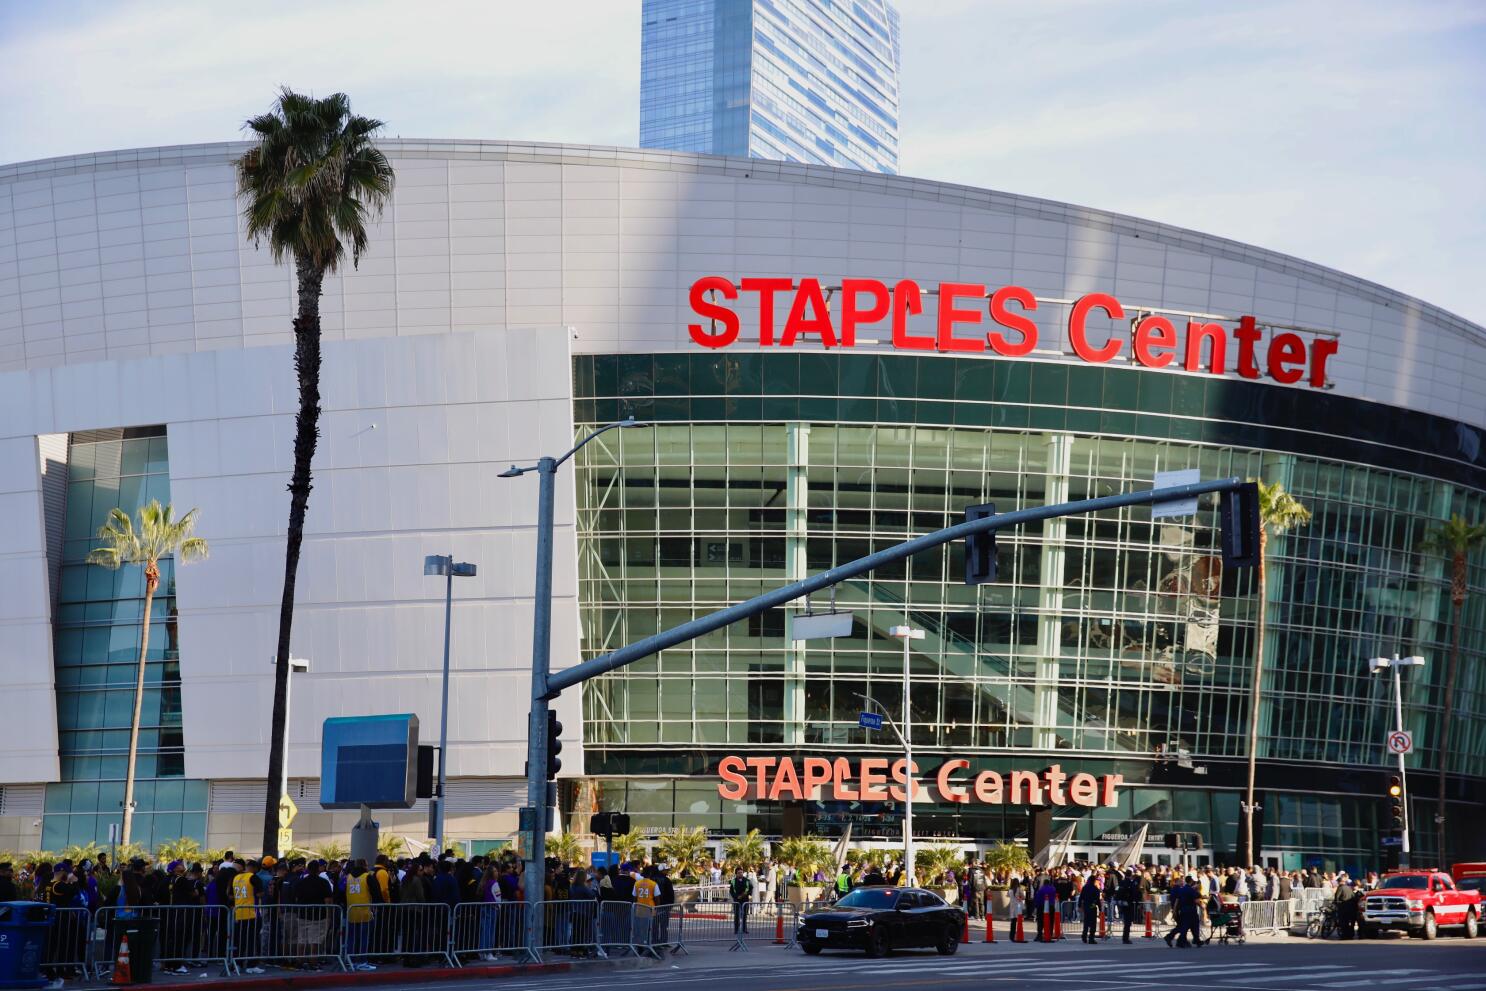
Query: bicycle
[[1322, 923]]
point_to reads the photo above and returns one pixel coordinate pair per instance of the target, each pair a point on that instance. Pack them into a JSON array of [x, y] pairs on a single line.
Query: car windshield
[[1473, 884], [870, 898], [1405, 881]]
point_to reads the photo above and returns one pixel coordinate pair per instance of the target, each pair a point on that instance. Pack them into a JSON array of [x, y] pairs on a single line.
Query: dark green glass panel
[[1013, 382], [672, 375], [1049, 384], [974, 414], [672, 409], [781, 408], [1009, 416], [858, 375], [936, 378], [1047, 418], [636, 375], [708, 408], [782, 375], [1152, 426], [743, 408], [708, 374], [818, 409], [1084, 421], [1121, 389], [975, 379], [1184, 429], [606, 374], [745, 374], [1188, 395], [858, 410], [1085, 386], [1155, 392], [897, 376], [936, 412]]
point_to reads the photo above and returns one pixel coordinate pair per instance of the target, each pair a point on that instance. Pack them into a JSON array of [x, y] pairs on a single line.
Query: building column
[[797, 501], [1050, 596]]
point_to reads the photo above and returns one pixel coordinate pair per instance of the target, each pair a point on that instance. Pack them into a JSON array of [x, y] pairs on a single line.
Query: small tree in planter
[[1004, 858], [934, 863], [806, 855], [686, 848], [745, 851]]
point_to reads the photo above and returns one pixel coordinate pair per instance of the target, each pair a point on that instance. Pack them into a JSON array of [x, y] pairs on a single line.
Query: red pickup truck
[[1420, 903]]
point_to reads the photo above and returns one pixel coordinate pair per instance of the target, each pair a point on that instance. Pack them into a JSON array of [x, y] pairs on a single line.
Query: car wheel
[[1472, 927], [1431, 928], [877, 943], [810, 949], [949, 942]]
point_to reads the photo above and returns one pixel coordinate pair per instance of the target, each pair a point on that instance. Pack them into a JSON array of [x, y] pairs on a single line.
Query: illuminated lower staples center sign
[[880, 779]]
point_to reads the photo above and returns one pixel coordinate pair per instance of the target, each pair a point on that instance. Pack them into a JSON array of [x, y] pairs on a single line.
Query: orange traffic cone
[[1049, 923], [1018, 934], [1103, 923], [965, 933], [779, 929], [990, 927], [1149, 932], [1057, 922], [122, 974]]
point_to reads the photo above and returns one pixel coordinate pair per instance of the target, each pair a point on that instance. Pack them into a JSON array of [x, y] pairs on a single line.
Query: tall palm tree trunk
[[1258, 675], [306, 436], [151, 582], [1457, 599]]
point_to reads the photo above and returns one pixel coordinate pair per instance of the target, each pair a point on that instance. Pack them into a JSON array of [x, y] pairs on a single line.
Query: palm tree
[[158, 535], [1279, 512], [744, 851], [310, 183], [565, 847], [684, 848], [630, 846], [391, 844], [184, 849], [1456, 538], [1008, 857]]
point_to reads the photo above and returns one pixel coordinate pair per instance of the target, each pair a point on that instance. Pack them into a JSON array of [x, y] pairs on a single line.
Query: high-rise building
[[794, 80]]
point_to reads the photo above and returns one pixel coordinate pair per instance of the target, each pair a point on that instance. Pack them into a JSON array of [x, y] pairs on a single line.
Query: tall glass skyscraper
[[794, 80]]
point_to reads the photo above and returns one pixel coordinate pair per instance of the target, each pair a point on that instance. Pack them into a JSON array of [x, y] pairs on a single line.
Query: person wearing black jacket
[[8, 892], [1088, 907], [665, 901], [1130, 900]]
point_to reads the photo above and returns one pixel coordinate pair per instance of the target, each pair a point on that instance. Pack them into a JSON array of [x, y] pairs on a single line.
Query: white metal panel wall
[[123, 254], [414, 434]]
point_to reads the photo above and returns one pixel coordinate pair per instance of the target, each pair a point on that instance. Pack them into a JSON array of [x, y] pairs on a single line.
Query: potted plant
[[1004, 858], [806, 855], [933, 865]]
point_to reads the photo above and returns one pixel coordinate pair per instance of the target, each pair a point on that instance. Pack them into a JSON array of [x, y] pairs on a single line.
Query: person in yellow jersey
[[647, 891], [358, 886], [246, 893]]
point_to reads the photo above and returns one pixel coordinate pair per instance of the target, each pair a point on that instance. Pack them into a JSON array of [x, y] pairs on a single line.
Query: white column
[[797, 502], [1050, 597]]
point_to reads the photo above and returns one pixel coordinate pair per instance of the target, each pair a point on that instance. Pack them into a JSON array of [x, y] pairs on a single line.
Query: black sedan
[[882, 919]]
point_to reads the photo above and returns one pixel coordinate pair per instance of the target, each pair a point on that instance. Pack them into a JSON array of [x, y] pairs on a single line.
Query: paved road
[[1268, 965]]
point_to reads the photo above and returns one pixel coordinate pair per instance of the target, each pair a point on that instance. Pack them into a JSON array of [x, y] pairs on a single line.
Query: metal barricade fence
[[186, 935], [616, 928], [763, 922], [374, 932], [695, 924], [1267, 917], [300, 936], [68, 942]]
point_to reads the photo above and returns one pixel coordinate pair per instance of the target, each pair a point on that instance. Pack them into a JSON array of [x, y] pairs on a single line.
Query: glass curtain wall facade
[[788, 80], [1109, 643], [96, 651]]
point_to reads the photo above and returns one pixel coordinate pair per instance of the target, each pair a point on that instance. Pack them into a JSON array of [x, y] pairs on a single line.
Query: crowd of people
[[269, 909]]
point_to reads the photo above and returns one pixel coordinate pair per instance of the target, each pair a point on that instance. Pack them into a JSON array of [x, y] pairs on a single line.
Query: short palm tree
[[745, 851], [685, 849], [630, 846], [390, 844], [1456, 539], [310, 183], [158, 535], [1008, 857], [1279, 512], [566, 848], [184, 849]]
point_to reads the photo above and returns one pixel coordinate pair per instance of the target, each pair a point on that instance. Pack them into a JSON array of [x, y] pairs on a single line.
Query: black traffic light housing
[[554, 745], [1395, 803], [1238, 525], [980, 548], [608, 823]]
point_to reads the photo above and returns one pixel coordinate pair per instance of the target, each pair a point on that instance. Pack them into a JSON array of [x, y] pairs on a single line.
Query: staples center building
[[829, 362]]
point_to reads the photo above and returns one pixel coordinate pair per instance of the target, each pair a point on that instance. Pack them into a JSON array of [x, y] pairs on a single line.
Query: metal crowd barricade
[[68, 941], [1268, 917], [187, 935], [616, 928], [712, 923], [379, 931], [764, 923], [303, 936]]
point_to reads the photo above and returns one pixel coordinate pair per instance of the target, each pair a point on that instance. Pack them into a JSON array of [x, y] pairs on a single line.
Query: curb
[[342, 978]]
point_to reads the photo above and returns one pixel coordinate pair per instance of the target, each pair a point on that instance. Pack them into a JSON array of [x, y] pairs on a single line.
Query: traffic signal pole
[[546, 685], [1403, 774]]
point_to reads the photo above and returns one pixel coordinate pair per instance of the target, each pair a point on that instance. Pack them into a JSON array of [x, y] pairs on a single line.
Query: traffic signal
[[980, 548], [554, 745], [1395, 802], [1238, 525]]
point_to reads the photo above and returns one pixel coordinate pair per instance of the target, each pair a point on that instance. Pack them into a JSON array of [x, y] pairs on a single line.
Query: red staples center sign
[[877, 779], [974, 319]]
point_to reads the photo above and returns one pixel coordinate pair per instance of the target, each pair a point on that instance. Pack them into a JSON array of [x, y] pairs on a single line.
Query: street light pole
[[541, 659], [444, 564], [297, 665], [907, 634], [1395, 663]]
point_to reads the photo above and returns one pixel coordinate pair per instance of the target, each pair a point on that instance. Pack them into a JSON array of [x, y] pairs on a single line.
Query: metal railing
[[68, 942], [293, 935], [382, 931], [185, 935]]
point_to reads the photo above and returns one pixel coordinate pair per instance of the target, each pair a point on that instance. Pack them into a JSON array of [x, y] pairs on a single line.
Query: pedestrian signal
[[554, 745], [1238, 525]]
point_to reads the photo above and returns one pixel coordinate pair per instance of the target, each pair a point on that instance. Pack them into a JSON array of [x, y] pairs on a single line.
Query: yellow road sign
[[286, 841], [287, 811]]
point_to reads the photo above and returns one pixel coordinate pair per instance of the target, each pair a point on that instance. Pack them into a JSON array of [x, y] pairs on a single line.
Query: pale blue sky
[[1349, 132]]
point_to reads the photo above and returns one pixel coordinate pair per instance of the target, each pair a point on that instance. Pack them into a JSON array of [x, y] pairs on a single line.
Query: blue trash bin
[[24, 927]]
